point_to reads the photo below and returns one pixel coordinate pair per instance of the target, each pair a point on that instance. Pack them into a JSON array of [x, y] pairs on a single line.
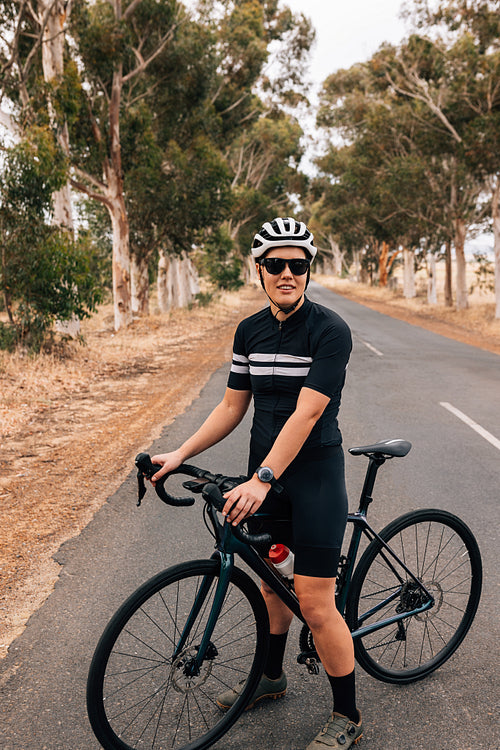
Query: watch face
[[265, 474]]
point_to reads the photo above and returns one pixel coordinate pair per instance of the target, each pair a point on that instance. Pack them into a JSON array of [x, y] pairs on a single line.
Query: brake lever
[[146, 468]]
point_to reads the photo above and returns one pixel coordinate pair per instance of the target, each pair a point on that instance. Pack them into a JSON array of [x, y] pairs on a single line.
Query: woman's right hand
[[168, 462]]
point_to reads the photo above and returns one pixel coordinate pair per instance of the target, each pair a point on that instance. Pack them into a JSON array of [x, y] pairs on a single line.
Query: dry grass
[[33, 385]]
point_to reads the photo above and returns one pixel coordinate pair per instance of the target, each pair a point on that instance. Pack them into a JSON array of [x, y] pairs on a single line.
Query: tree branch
[[143, 64], [83, 188], [425, 98]]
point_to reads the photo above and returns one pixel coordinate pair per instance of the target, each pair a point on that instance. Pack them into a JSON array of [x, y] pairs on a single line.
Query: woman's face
[[284, 288]]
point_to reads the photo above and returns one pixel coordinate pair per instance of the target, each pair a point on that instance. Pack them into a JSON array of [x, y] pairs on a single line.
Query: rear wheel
[[442, 553], [141, 694]]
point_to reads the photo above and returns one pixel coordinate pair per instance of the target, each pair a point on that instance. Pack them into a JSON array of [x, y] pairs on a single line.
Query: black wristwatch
[[266, 474]]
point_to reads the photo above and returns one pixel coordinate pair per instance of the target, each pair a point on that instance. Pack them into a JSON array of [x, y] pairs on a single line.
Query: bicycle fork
[[206, 649]]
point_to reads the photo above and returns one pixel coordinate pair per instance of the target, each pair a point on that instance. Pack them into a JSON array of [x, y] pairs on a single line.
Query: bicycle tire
[[138, 695], [440, 549]]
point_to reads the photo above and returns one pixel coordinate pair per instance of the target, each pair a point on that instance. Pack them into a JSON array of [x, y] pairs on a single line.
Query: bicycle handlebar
[[146, 468], [212, 491]]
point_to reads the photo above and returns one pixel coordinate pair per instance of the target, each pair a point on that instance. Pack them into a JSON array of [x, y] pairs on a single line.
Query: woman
[[291, 358]]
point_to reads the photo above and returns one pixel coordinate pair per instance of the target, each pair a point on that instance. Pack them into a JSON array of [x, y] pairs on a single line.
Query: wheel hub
[[186, 675]]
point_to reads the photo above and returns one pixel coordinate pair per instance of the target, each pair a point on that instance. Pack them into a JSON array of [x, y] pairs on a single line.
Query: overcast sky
[[348, 31]]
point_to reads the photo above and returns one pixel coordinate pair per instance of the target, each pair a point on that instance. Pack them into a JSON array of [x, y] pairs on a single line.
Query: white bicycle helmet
[[283, 233]]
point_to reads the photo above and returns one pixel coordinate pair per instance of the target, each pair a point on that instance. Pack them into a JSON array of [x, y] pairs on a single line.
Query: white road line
[[468, 421], [371, 348]]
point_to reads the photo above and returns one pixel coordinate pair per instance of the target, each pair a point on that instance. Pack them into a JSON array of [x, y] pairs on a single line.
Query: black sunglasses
[[274, 266]]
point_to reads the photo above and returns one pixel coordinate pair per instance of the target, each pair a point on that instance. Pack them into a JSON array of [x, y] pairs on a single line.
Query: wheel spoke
[[442, 553], [152, 701]]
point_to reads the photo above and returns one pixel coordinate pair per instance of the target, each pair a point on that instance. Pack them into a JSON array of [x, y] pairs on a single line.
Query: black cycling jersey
[[275, 360]]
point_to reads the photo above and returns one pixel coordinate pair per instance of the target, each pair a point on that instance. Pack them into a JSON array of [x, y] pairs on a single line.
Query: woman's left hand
[[244, 500]]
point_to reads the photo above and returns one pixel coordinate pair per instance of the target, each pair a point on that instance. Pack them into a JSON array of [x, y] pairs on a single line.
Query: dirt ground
[[70, 428]]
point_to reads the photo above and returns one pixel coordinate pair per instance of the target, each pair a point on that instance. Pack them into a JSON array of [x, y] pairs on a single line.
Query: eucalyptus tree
[[144, 94], [459, 84], [370, 170], [398, 109], [473, 28], [32, 42], [260, 88]]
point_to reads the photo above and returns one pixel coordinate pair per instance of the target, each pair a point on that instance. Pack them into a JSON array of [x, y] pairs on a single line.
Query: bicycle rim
[[442, 552], [140, 695]]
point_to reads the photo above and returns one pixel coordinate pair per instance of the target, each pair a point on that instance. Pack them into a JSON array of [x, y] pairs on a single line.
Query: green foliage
[[220, 264], [159, 103], [44, 275]]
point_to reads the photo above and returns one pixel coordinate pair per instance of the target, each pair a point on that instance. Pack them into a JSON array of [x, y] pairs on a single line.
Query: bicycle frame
[[228, 546]]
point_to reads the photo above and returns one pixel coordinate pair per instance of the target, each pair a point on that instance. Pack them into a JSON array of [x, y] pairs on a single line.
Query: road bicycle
[[199, 627]]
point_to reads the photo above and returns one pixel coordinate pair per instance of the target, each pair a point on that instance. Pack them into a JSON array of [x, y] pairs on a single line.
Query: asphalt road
[[398, 379]]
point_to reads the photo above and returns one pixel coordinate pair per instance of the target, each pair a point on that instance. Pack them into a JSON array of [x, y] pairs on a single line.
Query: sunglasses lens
[[298, 266], [274, 266]]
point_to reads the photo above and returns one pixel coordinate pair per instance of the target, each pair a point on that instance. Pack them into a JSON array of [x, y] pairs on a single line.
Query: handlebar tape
[[213, 493]]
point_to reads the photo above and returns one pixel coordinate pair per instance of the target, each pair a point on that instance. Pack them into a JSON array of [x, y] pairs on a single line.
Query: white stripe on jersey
[[270, 364], [292, 371], [284, 358]]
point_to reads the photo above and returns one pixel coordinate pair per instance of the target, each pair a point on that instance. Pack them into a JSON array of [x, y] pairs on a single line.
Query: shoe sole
[[355, 742], [272, 696]]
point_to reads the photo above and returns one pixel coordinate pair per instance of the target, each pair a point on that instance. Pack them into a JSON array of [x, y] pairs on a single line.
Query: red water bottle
[[282, 558]]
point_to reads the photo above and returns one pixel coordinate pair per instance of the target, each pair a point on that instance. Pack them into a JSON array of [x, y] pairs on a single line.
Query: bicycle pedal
[[311, 662], [312, 666]]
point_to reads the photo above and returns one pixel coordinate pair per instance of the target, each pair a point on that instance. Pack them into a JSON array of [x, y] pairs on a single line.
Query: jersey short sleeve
[[239, 375], [330, 357]]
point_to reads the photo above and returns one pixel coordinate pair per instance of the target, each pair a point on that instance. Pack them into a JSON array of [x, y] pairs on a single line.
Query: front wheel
[[142, 691], [442, 553]]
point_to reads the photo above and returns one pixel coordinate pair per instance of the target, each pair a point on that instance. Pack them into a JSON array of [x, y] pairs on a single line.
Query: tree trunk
[[431, 279], [164, 282], [357, 265], [139, 285], [121, 262], [194, 279], [495, 213], [116, 206], [448, 279], [382, 264], [53, 70], [462, 296], [177, 282], [250, 271], [337, 257], [409, 291], [182, 282]]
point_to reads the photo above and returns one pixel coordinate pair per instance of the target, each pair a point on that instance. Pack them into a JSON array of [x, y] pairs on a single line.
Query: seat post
[[370, 476]]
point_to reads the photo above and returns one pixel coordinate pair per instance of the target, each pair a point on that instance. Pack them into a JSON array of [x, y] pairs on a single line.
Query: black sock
[[344, 696], [274, 663]]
